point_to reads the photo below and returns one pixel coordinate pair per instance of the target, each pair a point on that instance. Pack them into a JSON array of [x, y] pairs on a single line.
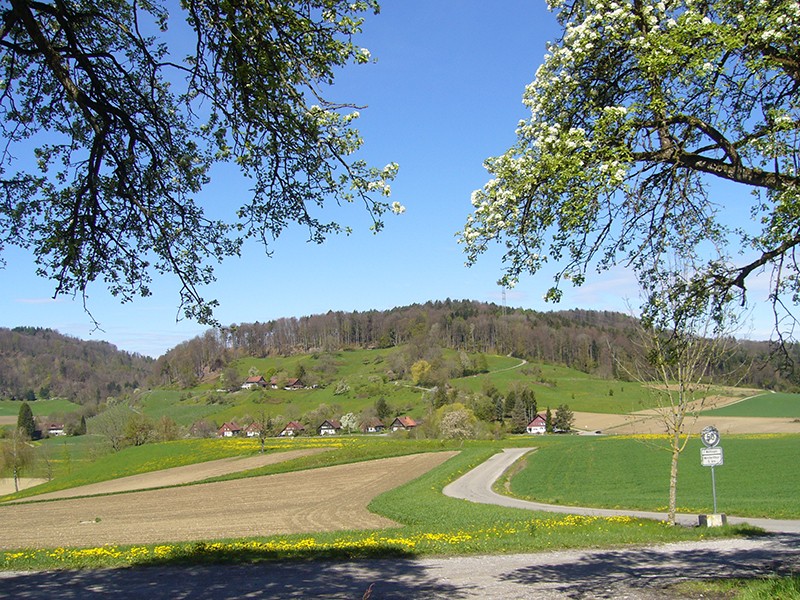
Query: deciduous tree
[[16, 454], [681, 347], [111, 127], [637, 108], [112, 423]]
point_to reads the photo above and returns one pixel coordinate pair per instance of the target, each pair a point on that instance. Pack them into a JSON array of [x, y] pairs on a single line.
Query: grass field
[[10, 408], [778, 405], [759, 477], [431, 524]]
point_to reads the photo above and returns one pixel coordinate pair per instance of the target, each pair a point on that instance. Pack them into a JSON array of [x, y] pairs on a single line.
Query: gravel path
[[632, 573]]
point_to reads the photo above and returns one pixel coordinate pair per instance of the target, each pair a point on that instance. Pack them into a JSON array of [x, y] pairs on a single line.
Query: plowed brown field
[[325, 499]]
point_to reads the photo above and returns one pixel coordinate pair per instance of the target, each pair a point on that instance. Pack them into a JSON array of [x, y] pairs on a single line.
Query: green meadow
[[759, 477], [777, 405], [39, 408]]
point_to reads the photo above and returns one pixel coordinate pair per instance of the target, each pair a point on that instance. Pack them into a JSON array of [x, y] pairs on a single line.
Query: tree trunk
[[673, 479]]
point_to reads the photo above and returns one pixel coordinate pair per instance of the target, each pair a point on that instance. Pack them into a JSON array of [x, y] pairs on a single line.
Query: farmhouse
[[329, 427], [293, 383], [292, 429], [53, 429], [254, 381], [537, 426], [229, 430], [372, 426], [404, 422], [253, 430]]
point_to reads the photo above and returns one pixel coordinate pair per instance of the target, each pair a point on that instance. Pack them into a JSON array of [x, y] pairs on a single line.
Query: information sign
[[711, 457]]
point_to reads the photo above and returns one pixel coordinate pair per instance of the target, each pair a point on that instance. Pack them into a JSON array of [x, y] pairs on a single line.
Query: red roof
[[537, 421], [406, 422]]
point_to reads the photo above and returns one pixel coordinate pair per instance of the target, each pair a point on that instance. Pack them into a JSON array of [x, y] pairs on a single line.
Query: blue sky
[[444, 94]]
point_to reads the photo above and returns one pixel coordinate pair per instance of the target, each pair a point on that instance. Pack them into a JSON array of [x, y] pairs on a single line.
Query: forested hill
[[41, 363], [591, 341]]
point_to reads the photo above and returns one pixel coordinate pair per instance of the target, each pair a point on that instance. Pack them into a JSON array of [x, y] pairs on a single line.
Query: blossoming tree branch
[[637, 110], [111, 125]]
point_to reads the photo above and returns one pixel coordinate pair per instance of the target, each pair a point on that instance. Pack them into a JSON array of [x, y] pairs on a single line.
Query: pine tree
[[519, 418], [25, 420], [564, 419]]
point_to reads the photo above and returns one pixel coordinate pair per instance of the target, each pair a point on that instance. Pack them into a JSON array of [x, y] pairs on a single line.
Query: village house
[[254, 381], [374, 425], [537, 426], [329, 427], [292, 429], [405, 423], [253, 430], [292, 383], [229, 430], [53, 429]]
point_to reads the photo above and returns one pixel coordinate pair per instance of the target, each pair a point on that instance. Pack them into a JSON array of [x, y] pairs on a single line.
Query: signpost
[[711, 456]]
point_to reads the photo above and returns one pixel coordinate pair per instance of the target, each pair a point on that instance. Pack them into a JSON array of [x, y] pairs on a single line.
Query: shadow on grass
[[601, 574]]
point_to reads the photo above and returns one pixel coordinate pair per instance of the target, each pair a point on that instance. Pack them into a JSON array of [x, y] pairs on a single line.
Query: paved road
[[476, 486], [633, 573]]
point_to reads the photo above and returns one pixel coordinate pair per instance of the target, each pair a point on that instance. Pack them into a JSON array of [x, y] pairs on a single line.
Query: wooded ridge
[[598, 342], [36, 362]]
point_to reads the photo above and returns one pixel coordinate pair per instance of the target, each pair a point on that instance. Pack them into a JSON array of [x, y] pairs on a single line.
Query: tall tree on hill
[[638, 108], [116, 134], [562, 421], [16, 454], [25, 421], [519, 417]]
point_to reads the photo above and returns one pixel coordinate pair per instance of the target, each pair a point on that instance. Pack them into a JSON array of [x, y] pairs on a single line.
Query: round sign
[[710, 436]]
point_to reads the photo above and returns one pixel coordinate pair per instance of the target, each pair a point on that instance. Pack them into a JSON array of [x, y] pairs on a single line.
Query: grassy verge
[[763, 588], [432, 524]]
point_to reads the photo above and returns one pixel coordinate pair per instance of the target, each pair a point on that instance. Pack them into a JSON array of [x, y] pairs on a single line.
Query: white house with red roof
[[329, 427], [229, 430], [292, 429], [537, 426], [404, 422]]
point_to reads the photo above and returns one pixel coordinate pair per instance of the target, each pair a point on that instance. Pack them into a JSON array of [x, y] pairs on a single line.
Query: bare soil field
[[177, 475], [648, 421], [7, 484], [325, 499], [643, 423]]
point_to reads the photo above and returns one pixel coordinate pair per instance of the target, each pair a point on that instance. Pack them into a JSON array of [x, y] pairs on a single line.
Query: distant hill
[[600, 343], [42, 363]]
